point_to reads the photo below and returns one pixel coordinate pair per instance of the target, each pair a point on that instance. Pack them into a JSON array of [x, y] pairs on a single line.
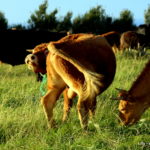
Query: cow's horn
[[30, 50]]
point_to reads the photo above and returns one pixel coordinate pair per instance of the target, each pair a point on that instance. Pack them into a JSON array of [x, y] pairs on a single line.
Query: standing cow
[[83, 62], [134, 102], [132, 40]]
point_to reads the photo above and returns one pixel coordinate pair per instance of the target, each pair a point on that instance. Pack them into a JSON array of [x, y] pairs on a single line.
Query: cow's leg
[[68, 100], [83, 112], [92, 107], [86, 108], [48, 102]]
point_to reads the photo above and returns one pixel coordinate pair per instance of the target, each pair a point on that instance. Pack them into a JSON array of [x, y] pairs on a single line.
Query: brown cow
[[134, 102], [113, 39], [83, 62], [132, 40], [37, 63]]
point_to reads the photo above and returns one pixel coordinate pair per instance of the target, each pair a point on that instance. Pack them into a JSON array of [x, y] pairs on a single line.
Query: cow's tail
[[93, 83], [93, 80]]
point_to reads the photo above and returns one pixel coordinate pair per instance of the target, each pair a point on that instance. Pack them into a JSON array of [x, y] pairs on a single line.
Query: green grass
[[23, 125]]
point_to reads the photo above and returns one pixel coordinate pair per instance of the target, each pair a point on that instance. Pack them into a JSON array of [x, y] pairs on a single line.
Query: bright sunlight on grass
[[23, 125]]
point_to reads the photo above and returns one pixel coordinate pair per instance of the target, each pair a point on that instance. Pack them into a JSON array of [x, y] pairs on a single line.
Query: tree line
[[94, 21]]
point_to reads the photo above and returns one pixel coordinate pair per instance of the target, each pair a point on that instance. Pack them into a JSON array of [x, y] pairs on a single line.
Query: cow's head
[[36, 61], [130, 108]]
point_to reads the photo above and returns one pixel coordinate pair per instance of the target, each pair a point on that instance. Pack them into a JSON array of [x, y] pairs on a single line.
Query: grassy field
[[23, 125]]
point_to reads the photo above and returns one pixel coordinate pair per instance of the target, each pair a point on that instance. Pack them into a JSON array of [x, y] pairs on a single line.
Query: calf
[[37, 63], [83, 62]]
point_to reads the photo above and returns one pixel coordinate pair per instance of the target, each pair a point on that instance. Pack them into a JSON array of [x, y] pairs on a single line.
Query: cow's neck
[[141, 87]]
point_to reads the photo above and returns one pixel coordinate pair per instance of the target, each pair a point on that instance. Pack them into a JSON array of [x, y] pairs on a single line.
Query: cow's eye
[[32, 57]]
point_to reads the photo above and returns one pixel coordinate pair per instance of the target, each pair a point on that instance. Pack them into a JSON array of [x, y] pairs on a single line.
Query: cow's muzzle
[[31, 60]]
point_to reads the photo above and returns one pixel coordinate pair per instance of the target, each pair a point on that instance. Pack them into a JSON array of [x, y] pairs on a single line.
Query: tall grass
[[23, 125]]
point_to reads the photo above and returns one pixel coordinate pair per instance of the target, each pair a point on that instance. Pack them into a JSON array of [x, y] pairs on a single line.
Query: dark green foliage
[[65, 24], [124, 22], [41, 20], [147, 15], [3, 21], [94, 21]]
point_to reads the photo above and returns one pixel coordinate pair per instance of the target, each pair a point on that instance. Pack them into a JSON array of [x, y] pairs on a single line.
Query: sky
[[19, 11]]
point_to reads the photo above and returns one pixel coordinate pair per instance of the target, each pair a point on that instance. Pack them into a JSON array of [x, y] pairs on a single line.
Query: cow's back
[[93, 53], [113, 38]]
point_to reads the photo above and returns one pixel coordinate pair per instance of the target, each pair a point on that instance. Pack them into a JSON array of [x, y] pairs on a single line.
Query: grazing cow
[[83, 62], [134, 102], [113, 39], [132, 40]]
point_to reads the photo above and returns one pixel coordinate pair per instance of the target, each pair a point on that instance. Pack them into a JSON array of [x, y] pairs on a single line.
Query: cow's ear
[[123, 95], [46, 51]]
